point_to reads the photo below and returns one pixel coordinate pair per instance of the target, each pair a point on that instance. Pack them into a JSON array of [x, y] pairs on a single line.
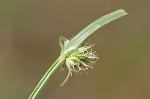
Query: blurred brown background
[[29, 33]]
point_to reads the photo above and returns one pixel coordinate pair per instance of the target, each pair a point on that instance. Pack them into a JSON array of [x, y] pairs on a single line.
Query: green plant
[[75, 55]]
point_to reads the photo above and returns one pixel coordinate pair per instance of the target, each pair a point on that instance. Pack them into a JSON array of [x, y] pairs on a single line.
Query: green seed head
[[79, 60]]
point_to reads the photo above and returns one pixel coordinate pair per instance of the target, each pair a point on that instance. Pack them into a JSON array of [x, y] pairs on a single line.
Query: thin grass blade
[[86, 32]]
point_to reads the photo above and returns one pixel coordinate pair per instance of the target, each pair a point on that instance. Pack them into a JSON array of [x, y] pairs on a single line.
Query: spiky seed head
[[80, 59]]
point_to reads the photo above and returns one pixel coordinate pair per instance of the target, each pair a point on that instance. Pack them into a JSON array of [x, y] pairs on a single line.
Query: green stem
[[46, 77]]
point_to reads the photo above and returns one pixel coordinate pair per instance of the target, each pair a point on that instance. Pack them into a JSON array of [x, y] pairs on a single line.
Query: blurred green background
[[29, 33]]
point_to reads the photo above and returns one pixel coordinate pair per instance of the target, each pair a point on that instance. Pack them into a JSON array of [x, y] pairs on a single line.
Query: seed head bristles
[[80, 60]]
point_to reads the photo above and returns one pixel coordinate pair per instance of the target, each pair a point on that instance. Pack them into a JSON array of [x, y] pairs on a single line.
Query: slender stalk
[[46, 77]]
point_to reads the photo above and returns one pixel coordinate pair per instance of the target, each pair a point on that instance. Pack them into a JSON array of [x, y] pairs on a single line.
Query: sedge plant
[[75, 55]]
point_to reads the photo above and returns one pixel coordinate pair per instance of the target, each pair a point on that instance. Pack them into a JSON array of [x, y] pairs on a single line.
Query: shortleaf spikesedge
[[75, 55]]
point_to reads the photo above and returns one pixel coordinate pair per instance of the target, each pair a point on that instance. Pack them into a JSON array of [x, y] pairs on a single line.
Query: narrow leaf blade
[[82, 35]]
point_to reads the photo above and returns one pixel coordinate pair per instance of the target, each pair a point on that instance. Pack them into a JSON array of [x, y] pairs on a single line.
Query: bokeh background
[[29, 33]]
